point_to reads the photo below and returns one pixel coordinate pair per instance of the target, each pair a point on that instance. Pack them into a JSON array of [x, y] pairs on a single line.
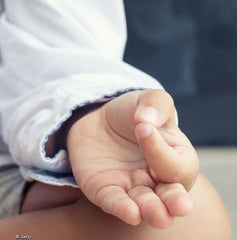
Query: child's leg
[[43, 196], [82, 220]]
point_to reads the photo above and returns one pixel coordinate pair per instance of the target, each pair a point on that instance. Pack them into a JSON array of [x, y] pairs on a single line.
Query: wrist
[[58, 140], [77, 114]]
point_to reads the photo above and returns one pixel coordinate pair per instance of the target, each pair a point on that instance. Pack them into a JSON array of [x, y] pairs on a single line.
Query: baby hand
[[130, 159]]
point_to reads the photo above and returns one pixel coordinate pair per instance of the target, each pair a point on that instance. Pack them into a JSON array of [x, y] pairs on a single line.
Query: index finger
[[165, 160]]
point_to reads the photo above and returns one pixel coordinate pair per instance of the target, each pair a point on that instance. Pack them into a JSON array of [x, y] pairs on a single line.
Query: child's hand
[[133, 161]]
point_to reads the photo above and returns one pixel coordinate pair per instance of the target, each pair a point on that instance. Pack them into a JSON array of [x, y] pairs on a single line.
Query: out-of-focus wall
[[191, 48]]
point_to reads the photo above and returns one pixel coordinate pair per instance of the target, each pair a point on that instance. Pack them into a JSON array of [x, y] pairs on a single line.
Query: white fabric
[[57, 55]]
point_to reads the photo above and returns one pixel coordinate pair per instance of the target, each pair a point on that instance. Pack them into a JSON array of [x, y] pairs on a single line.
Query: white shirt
[[57, 55]]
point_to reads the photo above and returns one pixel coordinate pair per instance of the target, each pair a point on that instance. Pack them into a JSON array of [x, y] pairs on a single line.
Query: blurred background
[[191, 48]]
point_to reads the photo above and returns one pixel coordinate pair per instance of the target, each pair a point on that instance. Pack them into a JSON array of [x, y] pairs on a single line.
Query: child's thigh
[[42, 196], [83, 220], [208, 220]]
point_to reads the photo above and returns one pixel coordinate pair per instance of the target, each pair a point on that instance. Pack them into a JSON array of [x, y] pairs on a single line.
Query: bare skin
[[130, 159], [139, 169], [79, 219]]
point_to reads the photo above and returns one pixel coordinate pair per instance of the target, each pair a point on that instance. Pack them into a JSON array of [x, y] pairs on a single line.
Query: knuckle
[[178, 175], [188, 179], [168, 99], [165, 96]]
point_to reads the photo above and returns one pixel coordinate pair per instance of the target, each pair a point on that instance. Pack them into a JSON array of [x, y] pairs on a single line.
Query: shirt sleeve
[[58, 55]]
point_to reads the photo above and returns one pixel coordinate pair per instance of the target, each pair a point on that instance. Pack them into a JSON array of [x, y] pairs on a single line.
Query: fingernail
[[143, 130], [149, 114]]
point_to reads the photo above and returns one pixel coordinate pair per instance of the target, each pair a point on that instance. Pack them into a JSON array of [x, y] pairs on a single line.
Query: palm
[[111, 169]]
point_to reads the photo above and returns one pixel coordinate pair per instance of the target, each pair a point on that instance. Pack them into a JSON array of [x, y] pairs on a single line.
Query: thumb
[[157, 108], [166, 149]]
